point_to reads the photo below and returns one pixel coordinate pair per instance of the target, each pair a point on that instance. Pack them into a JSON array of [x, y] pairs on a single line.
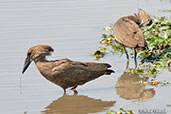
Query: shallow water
[[73, 29]]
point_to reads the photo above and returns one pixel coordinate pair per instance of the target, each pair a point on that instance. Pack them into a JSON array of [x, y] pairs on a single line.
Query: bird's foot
[[75, 91]]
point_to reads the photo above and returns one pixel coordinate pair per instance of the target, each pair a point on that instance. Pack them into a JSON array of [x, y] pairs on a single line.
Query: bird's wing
[[79, 73], [128, 33]]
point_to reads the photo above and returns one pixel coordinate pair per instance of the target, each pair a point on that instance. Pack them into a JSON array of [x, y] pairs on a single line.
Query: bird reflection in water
[[127, 87], [77, 104]]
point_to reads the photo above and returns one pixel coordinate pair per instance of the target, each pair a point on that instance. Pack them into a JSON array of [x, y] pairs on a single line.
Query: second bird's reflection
[[127, 87], [77, 104]]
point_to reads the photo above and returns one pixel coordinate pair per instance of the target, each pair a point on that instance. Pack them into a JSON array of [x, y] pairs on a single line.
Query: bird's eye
[[28, 54]]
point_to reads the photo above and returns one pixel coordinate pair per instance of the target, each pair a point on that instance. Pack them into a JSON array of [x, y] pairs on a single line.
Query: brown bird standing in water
[[64, 72], [127, 32]]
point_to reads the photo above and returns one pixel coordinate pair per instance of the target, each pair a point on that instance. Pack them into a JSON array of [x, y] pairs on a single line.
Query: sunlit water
[[73, 28]]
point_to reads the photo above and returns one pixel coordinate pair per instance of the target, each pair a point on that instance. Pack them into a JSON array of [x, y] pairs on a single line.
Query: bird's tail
[[108, 65], [108, 72]]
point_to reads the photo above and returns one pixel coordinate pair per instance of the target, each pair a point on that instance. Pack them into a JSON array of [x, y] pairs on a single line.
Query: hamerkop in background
[[64, 72], [127, 31]]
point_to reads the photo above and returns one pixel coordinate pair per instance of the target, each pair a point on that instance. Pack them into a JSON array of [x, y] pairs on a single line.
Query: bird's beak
[[26, 63]]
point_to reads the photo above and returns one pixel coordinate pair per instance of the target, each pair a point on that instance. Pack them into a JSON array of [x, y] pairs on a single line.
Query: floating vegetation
[[158, 38], [146, 70], [168, 10], [100, 52], [155, 82], [169, 105], [121, 111]]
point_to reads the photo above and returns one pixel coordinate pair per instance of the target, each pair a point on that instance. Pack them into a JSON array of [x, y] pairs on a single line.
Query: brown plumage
[[144, 18], [64, 72], [127, 31]]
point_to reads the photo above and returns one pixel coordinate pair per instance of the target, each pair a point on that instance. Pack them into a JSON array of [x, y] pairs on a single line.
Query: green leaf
[[140, 70], [108, 28], [113, 111], [104, 35], [108, 113], [130, 111], [121, 109]]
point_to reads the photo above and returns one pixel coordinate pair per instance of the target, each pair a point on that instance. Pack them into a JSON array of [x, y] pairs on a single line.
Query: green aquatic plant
[[100, 53], [121, 111], [147, 70], [158, 38]]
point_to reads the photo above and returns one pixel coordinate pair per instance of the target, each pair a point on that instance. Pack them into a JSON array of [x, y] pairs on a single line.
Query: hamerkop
[[64, 72], [127, 31]]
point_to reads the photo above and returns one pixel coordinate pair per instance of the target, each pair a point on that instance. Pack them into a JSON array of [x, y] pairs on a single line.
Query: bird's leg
[[64, 91], [135, 57], [74, 90], [127, 64], [126, 52]]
